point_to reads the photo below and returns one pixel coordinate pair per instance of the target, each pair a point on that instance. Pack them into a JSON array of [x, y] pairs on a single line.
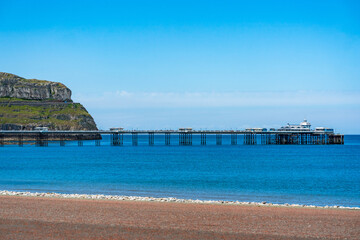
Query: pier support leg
[[336, 139], [113, 140], [167, 139], [308, 139], [294, 139], [218, 139], [181, 139], [272, 139], [45, 139], [134, 139], [80, 138], [116, 139], [97, 142], [233, 139], [42, 140], [188, 139], [283, 138], [151, 139], [263, 139], [250, 139], [311, 139], [326, 139], [20, 140], [121, 139], [62, 140], [185, 139], [1, 140], [203, 139]]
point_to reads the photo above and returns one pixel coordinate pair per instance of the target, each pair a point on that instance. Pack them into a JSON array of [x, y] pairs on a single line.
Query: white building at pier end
[[303, 126]]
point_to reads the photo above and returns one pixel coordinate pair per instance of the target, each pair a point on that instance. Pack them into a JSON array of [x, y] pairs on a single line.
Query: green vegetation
[[41, 82], [9, 99], [56, 116], [8, 76]]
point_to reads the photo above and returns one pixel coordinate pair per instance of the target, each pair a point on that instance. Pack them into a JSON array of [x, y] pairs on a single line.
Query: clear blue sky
[[205, 64]]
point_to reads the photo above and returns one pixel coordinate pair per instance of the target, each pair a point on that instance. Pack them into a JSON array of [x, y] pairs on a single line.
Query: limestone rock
[[17, 87]]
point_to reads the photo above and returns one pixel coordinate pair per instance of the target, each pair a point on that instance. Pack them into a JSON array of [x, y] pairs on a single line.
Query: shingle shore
[[153, 199]]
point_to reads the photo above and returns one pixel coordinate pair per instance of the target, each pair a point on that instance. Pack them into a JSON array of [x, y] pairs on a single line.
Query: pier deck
[[185, 138]]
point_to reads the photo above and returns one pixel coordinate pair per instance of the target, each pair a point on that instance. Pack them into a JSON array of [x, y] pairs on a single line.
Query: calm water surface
[[320, 175]]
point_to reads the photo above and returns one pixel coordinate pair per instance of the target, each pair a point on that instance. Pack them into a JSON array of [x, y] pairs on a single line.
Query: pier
[[184, 138]]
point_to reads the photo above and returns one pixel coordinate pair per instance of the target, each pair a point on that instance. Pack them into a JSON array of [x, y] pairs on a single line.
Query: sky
[[201, 64]]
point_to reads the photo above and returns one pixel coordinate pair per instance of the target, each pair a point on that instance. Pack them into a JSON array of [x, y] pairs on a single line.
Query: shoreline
[[165, 199]]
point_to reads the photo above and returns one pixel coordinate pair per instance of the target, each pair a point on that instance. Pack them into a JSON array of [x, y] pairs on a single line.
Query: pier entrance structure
[[185, 138]]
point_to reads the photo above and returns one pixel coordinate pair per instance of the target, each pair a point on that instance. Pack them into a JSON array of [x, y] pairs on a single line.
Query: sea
[[296, 174]]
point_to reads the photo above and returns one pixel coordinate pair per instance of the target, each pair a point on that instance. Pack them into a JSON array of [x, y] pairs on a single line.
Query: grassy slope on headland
[[56, 116]]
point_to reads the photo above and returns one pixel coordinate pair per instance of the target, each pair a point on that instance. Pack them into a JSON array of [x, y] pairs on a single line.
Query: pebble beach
[[26, 215]]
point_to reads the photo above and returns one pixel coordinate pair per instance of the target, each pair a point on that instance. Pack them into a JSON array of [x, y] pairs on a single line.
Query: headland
[[28, 104]]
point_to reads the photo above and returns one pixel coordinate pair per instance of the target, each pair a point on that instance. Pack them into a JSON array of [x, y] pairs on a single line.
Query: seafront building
[[304, 126]]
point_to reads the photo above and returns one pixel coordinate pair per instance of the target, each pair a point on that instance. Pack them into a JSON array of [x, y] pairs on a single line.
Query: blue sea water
[[313, 174]]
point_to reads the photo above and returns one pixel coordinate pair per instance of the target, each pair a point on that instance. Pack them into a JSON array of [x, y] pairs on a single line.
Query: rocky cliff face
[[17, 87], [29, 103]]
